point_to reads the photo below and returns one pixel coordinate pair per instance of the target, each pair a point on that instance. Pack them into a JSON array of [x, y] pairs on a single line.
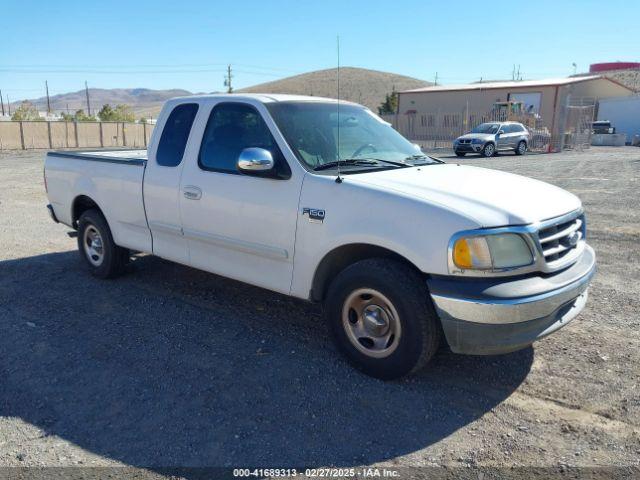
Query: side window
[[507, 128], [231, 128], [174, 137], [518, 128]]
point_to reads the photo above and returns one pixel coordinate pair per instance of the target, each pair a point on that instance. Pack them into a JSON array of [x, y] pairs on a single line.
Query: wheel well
[[340, 258], [81, 204]]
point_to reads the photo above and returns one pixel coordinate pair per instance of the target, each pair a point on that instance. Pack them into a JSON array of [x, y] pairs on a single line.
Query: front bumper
[[468, 147], [499, 315]]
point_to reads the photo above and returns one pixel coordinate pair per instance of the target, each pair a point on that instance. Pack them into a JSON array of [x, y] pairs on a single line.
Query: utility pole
[[227, 79], [2, 102], [435, 83], [9, 104], [86, 90], [46, 86]]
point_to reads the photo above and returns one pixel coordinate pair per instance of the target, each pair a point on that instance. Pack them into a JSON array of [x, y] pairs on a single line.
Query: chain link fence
[[438, 130]]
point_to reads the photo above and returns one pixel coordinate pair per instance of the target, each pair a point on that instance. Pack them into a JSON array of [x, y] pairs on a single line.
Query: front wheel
[[104, 258], [460, 154], [381, 318], [521, 148], [489, 150]]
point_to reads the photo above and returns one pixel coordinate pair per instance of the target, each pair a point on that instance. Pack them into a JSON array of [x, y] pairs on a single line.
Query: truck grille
[[560, 240]]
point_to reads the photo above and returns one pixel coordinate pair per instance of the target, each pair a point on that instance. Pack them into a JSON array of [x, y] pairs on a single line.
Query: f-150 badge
[[315, 215]]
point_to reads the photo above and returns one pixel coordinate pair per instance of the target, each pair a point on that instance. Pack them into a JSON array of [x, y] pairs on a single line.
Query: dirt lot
[[169, 366]]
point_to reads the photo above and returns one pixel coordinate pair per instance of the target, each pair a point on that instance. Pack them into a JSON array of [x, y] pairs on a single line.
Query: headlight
[[477, 140], [491, 252]]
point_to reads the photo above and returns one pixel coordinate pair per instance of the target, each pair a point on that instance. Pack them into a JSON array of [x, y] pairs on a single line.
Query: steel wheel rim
[[371, 323], [488, 150], [93, 245]]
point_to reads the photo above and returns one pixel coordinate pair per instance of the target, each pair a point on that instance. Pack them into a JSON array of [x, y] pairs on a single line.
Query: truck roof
[[263, 97]]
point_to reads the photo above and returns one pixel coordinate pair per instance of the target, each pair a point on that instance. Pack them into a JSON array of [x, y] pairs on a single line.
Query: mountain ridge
[[360, 85]]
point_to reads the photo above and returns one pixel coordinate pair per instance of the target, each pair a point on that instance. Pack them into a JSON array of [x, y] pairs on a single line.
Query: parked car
[[328, 203], [488, 138]]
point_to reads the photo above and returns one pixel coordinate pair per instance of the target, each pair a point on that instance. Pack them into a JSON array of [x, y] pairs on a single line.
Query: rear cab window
[[175, 134]]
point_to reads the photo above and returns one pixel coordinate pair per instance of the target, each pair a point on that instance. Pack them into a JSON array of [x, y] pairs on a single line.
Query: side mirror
[[500, 132], [255, 161], [417, 147]]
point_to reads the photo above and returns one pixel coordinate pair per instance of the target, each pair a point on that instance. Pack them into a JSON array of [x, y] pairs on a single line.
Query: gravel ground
[[170, 366]]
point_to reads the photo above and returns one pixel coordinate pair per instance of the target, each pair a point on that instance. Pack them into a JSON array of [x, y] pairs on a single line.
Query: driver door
[[237, 225]]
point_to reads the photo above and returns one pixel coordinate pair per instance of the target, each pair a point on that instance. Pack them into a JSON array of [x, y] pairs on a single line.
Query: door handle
[[192, 193]]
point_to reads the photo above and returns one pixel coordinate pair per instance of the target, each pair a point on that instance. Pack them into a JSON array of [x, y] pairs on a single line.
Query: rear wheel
[[489, 150], [461, 154], [381, 318], [103, 257], [521, 148]]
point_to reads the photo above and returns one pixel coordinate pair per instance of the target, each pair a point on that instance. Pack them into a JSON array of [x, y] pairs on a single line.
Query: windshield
[[486, 128], [311, 130]]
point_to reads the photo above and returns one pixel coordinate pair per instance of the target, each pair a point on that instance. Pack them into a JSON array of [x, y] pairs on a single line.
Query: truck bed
[[132, 157], [112, 179]]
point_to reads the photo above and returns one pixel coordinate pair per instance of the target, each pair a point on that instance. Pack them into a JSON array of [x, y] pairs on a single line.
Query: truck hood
[[491, 198]]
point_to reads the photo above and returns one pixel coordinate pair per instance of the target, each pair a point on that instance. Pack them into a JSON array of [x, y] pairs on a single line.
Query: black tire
[[489, 150], [521, 149], [419, 334], [109, 260], [461, 154]]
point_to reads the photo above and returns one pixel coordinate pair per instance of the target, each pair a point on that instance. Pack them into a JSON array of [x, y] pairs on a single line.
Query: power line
[[169, 65]]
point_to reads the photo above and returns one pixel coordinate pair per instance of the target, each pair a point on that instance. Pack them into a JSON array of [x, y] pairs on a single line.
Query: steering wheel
[[363, 147]]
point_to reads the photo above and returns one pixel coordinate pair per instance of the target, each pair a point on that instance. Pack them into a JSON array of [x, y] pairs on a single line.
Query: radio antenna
[[338, 178]]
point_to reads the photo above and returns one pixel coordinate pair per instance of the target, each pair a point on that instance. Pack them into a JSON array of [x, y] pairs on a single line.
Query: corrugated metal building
[[544, 97]]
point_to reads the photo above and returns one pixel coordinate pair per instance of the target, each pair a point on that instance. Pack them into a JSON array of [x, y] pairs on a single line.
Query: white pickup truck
[[324, 201]]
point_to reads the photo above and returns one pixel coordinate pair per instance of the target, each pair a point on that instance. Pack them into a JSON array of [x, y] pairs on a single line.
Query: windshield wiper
[[359, 161], [347, 161], [422, 156]]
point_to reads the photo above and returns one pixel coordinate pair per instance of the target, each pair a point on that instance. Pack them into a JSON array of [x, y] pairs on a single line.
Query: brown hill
[[360, 85], [629, 78]]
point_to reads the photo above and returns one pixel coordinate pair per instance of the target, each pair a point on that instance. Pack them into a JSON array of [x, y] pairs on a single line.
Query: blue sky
[[187, 44]]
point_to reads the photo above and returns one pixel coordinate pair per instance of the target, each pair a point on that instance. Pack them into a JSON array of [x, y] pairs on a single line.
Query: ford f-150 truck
[[324, 201]]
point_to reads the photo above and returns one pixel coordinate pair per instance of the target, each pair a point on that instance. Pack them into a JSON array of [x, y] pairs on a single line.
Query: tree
[[79, 116], [119, 113], [106, 113], [143, 120], [26, 112], [390, 104]]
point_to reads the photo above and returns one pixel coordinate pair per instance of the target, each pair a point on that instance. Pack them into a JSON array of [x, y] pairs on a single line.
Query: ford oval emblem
[[573, 239]]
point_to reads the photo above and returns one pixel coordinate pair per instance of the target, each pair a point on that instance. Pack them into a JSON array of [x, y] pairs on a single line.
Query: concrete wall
[[49, 135]]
